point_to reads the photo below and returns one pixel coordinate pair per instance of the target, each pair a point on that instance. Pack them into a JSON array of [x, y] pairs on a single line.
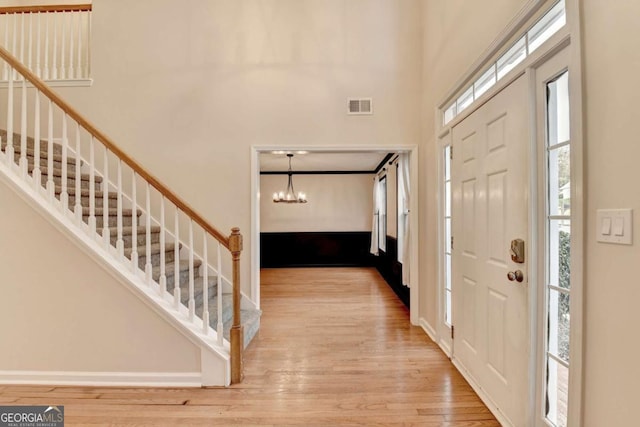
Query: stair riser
[[71, 183], [155, 258], [44, 160], [17, 143], [113, 221], [197, 292], [227, 314], [184, 285], [183, 278], [84, 201], [128, 239]]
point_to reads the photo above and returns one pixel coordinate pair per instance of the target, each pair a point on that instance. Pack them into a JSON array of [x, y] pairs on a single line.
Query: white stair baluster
[[9, 149], [106, 231], [192, 301], [51, 186], [163, 262], [205, 285], [36, 174], [79, 57], [134, 224], [38, 43], [64, 195], [23, 131], [47, 43], [148, 268], [119, 240], [72, 40], [63, 45], [176, 270], [21, 42], [5, 69], [14, 41], [219, 325], [54, 52], [78, 181], [92, 189], [88, 52], [30, 44]]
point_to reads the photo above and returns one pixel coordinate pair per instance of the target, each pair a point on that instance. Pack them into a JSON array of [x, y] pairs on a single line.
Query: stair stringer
[[215, 360]]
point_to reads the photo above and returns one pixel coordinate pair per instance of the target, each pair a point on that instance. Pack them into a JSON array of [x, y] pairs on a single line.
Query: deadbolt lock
[[517, 251]]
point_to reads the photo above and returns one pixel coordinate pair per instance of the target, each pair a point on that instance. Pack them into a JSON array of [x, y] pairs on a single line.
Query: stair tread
[[30, 141], [71, 191], [155, 249], [112, 211], [71, 173], [44, 155], [250, 320], [128, 230], [170, 267]]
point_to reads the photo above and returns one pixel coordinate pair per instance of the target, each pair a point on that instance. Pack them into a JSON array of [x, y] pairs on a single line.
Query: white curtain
[[404, 194], [376, 211]]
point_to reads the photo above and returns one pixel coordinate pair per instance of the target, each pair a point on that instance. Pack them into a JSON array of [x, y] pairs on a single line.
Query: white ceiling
[[322, 161]]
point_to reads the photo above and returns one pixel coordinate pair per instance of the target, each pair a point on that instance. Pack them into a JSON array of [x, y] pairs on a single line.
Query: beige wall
[[187, 89], [456, 33], [611, 61], [336, 203], [60, 311]]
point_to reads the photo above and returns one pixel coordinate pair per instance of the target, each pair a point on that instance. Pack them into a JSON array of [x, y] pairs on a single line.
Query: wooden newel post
[[237, 333]]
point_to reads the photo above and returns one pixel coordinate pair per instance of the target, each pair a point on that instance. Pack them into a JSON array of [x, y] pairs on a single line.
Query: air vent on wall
[[360, 106]]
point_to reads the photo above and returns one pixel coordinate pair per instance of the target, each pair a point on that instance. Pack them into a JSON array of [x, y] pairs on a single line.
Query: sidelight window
[[558, 251], [447, 247]]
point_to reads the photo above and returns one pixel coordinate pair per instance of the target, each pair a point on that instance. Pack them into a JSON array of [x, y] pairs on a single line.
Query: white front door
[[489, 210]]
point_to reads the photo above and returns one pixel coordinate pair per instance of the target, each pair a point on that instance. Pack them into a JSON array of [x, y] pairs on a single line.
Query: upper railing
[[52, 41], [50, 138]]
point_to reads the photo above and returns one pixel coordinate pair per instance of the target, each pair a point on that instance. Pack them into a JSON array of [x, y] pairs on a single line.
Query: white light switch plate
[[615, 226]]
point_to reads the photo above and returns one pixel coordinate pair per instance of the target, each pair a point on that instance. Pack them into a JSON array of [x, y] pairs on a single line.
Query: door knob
[[515, 275]]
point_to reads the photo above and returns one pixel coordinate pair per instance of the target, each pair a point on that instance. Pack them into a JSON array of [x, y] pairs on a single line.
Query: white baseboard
[[119, 379], [429, 330], [445, 348], [491, 405]]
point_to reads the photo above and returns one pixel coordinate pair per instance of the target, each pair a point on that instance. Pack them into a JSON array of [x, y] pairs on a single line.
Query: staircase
[[250, 317], [156, 244]]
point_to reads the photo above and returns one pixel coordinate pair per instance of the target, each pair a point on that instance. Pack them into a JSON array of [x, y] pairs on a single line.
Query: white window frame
[[567, 37], [382, 213], [557, 65]]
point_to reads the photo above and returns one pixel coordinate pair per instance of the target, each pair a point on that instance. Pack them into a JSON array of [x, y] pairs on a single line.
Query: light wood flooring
[[335, 349]]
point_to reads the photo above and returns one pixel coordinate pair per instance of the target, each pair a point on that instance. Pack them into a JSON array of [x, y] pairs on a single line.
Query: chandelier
[[290, 195]]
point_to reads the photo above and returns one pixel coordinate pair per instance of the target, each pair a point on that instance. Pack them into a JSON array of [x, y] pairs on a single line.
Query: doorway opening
[[336, 182]]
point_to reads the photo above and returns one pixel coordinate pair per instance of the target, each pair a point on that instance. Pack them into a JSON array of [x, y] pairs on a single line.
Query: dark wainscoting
[[333, 249], [316, 249], [389, 267]]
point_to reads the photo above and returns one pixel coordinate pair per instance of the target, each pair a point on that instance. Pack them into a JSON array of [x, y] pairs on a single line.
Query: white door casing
[[490, 182]]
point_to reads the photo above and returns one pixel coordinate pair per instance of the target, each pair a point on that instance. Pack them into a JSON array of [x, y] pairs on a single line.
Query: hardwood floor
[[335, 349]]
